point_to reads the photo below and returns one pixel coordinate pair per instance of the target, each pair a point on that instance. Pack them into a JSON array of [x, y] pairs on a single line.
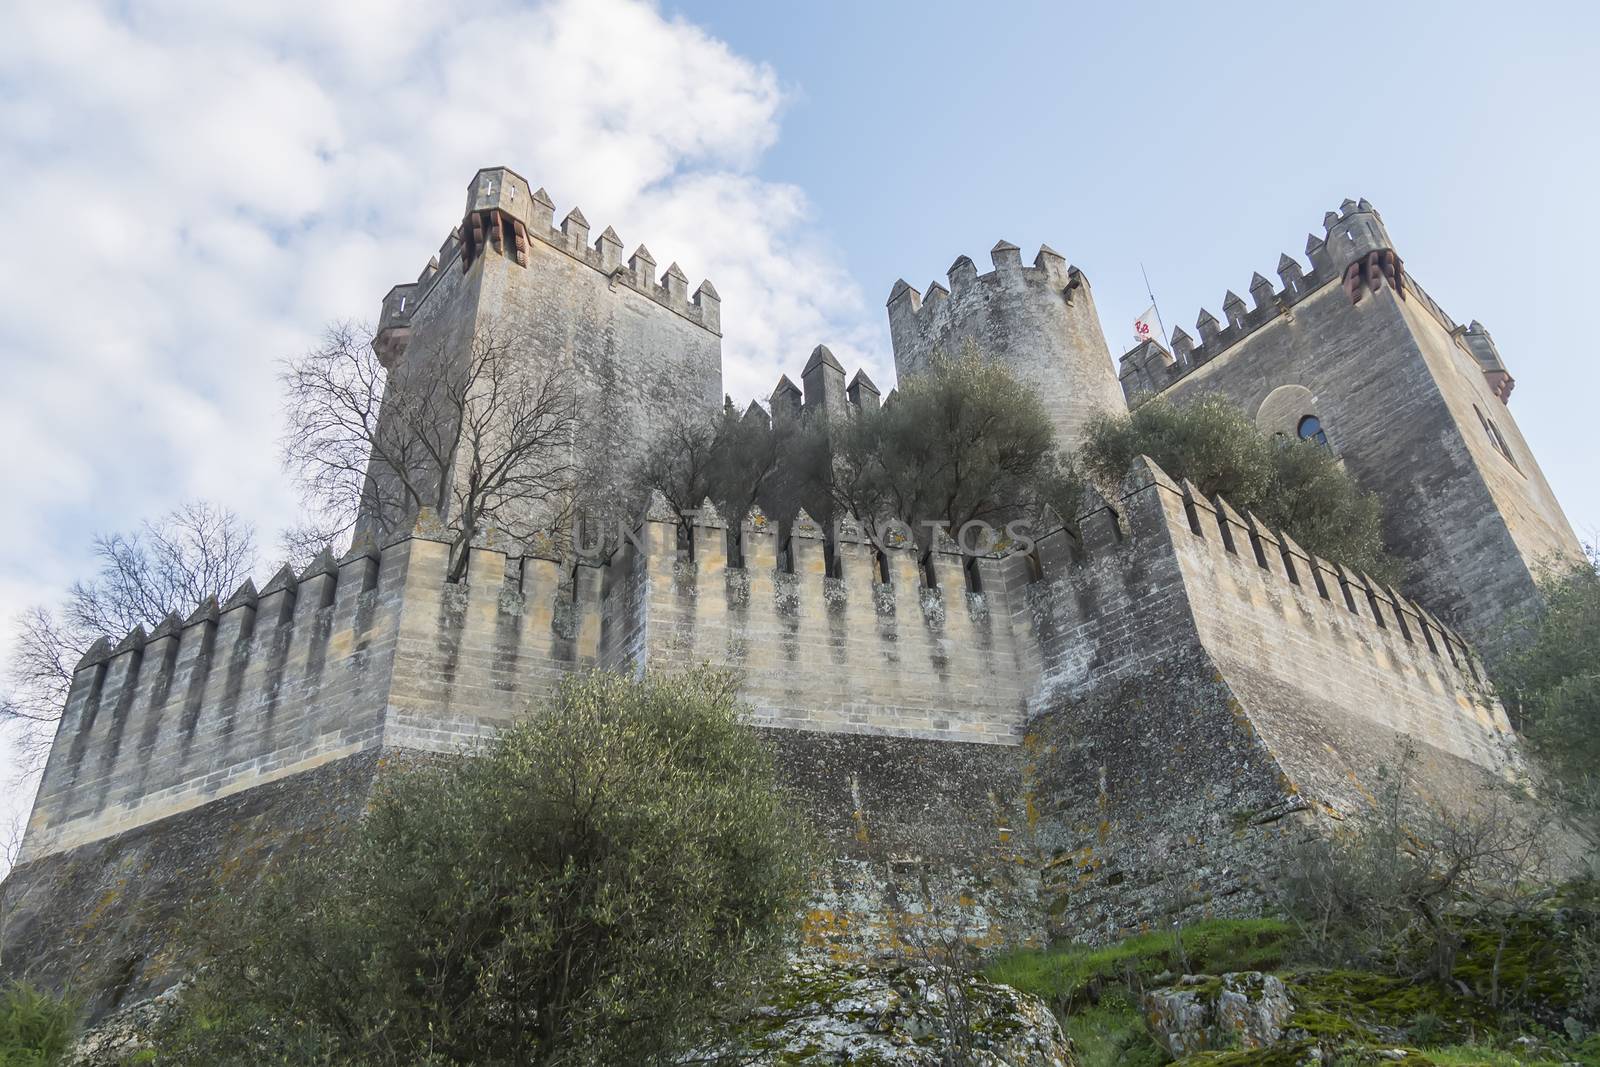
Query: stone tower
[[1414, 404], [1039, 321], [635, 350]]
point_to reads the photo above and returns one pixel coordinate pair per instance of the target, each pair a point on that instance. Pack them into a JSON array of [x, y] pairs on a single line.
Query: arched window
[[1495, 437], [1310, 429]]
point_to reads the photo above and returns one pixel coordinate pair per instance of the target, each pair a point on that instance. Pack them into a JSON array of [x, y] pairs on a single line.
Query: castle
[[1052, 741]]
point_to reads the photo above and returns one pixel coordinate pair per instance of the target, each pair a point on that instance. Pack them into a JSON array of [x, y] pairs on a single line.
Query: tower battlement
[[503, 214], [1039, 321], [1355, 250]]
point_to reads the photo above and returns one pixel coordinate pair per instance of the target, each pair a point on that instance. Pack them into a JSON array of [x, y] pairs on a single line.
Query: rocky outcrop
[[828, 1014], [1241, 1010]]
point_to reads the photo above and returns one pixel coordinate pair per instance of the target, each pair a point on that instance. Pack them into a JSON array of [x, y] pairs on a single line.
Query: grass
[[36, 1028], [1090, 987], [1354, 1014], [1112, 1034], [1071, 976]]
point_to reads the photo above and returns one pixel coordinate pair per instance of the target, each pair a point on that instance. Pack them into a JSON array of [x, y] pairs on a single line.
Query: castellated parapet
[[1039, 321], [380, 650]]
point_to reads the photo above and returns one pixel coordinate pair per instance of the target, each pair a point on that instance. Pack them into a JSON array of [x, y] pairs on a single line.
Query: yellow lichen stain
[[822, 927], [107, 899], [1103, 831], [861, 826], [1033, 813]]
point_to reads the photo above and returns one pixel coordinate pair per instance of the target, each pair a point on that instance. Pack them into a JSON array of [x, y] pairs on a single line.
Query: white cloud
[[193, 189]]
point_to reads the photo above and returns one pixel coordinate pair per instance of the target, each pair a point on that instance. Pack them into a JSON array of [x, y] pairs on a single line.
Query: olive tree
[[1297, 486], [1549, 678], [962, 441], [609, 882]]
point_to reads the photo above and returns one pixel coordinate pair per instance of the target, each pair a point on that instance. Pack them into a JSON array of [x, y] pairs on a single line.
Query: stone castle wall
[[381, 649], [1211, 692], [1143, 729]]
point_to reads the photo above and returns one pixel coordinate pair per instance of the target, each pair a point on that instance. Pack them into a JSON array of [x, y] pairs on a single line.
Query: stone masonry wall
[[264, 686], [383, 650], [1211, 692]]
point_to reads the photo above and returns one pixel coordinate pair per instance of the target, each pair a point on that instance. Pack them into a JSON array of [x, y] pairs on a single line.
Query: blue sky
[[193, 189]]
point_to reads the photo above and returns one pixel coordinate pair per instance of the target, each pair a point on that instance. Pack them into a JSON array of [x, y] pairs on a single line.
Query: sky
[[193, 190]]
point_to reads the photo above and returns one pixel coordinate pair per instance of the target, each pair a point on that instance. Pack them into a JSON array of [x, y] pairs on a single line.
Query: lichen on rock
[[822, 1013], [1245, 1009]]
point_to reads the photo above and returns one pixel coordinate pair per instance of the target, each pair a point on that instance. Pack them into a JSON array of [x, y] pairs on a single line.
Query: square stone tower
[[1354, 354], [635, 350]]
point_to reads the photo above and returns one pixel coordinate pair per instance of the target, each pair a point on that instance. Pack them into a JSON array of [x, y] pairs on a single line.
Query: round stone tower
[[1039, 321]]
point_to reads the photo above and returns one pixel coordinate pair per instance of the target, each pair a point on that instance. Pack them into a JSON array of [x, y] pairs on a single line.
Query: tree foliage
[[170, 564], [1550, 681], [36, 1029], [962, 441], [1296, 486], [604, 885], [735, 461], [1393, 892]]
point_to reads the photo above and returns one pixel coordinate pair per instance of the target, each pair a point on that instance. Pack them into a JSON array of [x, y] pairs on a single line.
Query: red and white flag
[[1145, 327]]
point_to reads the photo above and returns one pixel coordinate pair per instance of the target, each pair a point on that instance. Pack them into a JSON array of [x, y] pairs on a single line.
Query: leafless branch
[[483, 438]]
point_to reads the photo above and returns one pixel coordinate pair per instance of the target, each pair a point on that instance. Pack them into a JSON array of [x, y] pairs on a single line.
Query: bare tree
[[736, 461], [168, 565], [1393, 891], [482, 438]]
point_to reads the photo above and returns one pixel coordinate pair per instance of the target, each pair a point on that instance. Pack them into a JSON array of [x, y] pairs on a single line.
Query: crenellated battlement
[[830, 630], [1255, 597], [1355, 251], [503, 214], [1049, 269], [825, 389], [380, 649]]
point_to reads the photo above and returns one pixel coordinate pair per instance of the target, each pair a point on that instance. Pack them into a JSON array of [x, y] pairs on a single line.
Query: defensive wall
[[1133, 722], [1210, 691], [378, 649], [1414, 404]]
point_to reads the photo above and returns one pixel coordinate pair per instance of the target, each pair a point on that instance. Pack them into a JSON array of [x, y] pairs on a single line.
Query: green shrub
[[962, 441], [1291, 485], [1549, 678], [36, 1029], [608, 883]]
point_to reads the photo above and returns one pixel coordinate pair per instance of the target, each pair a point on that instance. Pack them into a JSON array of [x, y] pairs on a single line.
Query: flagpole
[[1151, 294]]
